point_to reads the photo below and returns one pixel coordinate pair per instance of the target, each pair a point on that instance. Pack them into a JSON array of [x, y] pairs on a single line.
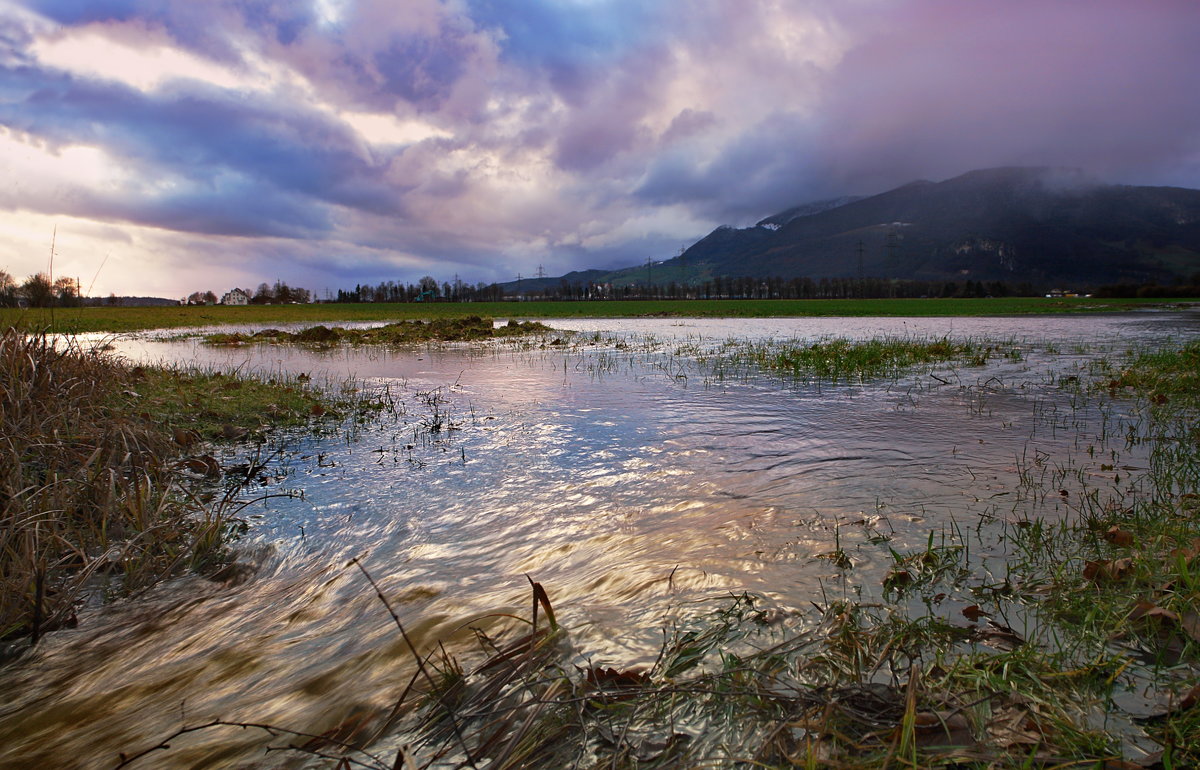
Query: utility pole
[[541, 273], [684, 279], [518, 287], [649, 274], [53, 238]]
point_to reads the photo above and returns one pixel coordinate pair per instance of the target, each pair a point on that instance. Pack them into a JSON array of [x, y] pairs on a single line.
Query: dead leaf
[[942, 728], [998, 636], [1151, 611], [1191, 699], [1188, 701], [1189, 551], [973, 613], [1190, 623], [206, 465], [1119, 537], [1104, 571], [1164, 625], [1013, 726], [233, 432], [611, 678]]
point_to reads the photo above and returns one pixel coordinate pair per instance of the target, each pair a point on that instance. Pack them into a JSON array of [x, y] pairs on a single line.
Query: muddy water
[[627, 480]]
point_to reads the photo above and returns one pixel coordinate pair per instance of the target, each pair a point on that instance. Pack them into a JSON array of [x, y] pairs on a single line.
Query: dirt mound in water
[[317, 334]]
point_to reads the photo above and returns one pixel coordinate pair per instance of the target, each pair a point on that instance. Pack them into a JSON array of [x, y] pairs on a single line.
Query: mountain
[[1041, 225], [776, 221]]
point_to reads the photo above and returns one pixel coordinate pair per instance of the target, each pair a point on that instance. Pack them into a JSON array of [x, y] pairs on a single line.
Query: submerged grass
[[104, 484], [842, 359], [845, 360]]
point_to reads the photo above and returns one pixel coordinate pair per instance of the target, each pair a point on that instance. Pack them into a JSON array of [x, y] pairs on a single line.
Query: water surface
[[631, 483]]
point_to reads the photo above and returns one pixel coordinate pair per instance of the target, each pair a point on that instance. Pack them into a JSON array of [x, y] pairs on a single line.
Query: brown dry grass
[[88, 493]]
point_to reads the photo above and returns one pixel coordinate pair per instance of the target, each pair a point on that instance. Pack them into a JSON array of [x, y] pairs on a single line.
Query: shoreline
[[107, 319]]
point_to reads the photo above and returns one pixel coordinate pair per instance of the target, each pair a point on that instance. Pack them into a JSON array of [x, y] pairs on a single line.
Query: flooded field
[[638, 470]]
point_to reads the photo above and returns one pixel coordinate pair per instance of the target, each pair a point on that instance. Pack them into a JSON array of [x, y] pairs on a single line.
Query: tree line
[[719, 287], [265, 294], [39, 291], [425, 289]]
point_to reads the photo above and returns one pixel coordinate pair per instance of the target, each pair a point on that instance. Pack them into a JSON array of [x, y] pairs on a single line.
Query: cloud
[[938, 88], [485, 137]]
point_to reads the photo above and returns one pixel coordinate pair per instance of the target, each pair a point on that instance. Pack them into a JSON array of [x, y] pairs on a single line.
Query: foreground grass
[[107, 319], [105, 486]]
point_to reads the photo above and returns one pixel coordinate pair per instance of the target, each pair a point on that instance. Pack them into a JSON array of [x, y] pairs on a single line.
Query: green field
[[117, 319]]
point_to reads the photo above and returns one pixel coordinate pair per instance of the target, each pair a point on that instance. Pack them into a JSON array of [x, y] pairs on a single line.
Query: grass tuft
[[105, 483], [462, 329]]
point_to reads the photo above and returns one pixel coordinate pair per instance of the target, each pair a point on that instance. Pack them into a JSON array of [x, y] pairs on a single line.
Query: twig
[[272, 730], [420, 662]]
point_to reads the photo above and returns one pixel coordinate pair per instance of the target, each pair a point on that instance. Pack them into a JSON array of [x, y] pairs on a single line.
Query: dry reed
[[90, 494]]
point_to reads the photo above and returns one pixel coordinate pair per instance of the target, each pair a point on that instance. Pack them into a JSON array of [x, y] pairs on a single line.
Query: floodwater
[[631, 482]]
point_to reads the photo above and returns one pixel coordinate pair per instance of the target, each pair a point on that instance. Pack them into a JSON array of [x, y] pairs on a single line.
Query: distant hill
[[1014, 224], [129, 301], [1044, 226]]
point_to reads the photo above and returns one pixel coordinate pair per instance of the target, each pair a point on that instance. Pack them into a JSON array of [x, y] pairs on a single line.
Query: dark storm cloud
[[751, 173], [934, 89], [234, 207], [942, 87]]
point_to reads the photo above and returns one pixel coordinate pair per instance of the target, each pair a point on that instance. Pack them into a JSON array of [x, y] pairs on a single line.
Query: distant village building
[[235, 297]]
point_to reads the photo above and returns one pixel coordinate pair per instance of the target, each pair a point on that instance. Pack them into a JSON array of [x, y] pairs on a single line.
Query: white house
[[235, 297]]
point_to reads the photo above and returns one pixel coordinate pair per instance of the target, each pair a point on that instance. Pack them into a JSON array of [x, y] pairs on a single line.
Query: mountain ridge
[[1045, 226]]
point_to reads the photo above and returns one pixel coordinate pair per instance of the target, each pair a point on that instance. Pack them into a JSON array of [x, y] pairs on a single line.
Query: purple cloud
[[487, 136]]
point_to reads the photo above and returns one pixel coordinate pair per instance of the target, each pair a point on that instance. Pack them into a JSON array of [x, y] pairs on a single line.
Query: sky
[[168, 147]]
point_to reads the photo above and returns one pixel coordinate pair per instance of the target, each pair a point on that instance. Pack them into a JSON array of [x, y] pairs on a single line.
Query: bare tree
[[38, 291], [8, 290]]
